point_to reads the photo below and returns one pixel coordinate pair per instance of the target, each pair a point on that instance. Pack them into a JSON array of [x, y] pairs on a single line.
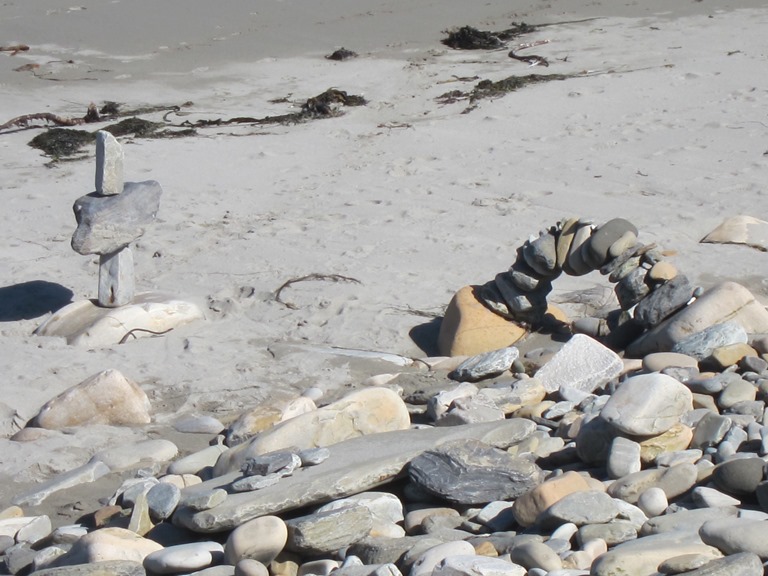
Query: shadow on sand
[[32, 299]]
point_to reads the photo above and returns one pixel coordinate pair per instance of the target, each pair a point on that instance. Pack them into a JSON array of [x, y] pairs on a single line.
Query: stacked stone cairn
[[565, 462]]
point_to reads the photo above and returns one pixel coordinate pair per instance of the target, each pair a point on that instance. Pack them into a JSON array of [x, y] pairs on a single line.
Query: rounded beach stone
[[674, 481], [623, 458], [659, 361], [183, 558], [627, 241], [725, 356], [260, 539], [653, 501], [741, 564], [612, 533], [734, 535], [605, 236], [739, 476], [675, 439], [529, 506], [662, 272], [250, 567], [580, 508], [318, 567], [647, 404], [109, 544], [162, 500], [735, 392], [466, 565], [469, 328], [535, 555], [427, 561], [138, 454], [575, 264], [105, 398]]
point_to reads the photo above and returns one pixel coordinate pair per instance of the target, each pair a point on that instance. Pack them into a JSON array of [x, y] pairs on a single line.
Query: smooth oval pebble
[[183, 558], [250, 567], [260, 539]]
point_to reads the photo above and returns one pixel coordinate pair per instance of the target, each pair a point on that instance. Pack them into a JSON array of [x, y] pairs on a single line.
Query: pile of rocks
[[659, 310], [587, 464]]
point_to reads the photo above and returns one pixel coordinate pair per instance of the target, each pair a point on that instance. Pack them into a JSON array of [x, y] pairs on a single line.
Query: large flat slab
[[354, 466]]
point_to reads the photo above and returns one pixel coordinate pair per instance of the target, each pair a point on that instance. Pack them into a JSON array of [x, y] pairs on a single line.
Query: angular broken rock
[[582, 363], [740, 230], [105, 224], [109, 164], [471, 472], [485, 365], [353, 466], [329, 530]]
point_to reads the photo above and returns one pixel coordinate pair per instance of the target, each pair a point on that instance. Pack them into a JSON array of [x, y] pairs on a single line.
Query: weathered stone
[[674, 481], [473, 565], [706, 497], [195, 462], [105, 224], [248, 483], [105, 398], [574, 264], [579, 508], [734, 535], [740, 230], [469, 328], [485, 365], [535, 555], [690, 520], [624, 243], [663, 302], [441, 402], [525, 306], [183, 558], [632, 288], [739, 476], [710, 430], [702, 344], [677, 438], [109, 164], [363, 412], [282, 462], [162, 500], [730, 355], [725, 302], [430, 559], [594, 440], [647, 404], [541, 254], [605, 236], [620, 271], [530, 505], [260, 539], [565, 237], [386, 510], [107, 568], [198, 424], [139, 521], [116, 282], [80, 475], [662, 272], [740, 564], [525, 277], [582, 363], [471, 472], [249, 567], [613, 533], [329, 530], [358, 464], [736, 391], [138, 454], [108, 544], [659, 361], [623, 458]]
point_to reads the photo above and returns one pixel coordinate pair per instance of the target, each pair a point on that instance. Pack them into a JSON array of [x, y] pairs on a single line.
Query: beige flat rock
[[83, 323], [740, 230]]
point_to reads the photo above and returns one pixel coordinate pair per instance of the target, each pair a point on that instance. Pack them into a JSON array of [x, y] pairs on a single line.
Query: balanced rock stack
[[659, 308]]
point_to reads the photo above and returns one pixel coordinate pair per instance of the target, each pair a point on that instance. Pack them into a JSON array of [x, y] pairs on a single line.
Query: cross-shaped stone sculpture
[[112, 217]]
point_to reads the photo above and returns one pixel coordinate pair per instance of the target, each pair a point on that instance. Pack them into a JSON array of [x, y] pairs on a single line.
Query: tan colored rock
[[740, 230], [676, 438], [485, 548], [11, 512], [568, 229], [264, 416], [662, 272], [726, 356], [725, 302], [366, 411], [105, 398], [528, 507], [469, 328], [140, 522], [108, 544]]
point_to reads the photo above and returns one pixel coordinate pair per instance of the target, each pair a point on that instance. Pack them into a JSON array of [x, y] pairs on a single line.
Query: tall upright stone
[[109, 164]]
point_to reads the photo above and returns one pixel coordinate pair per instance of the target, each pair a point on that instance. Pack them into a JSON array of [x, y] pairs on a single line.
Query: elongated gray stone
[[162, 500], [110, 567], [690, 520], [582, 363], [353, 466], [116, 281], [471, 472], [741, 564], [105, 224], [486, 365], [663, 302], [109, 164], [580, 508], [674, 481], [275, 462], [733, 535], [329, 530], [80, 475]]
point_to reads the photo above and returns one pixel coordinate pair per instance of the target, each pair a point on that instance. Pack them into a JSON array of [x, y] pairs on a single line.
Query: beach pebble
[[440, 403], [329, 530], [730, 355], [183, 558], [486, 365], [740, 564], [623, 458], [710, 430], [197, 461], [105, 398], [535, 555], [525, 277], [606, 235], [734, 535], [673, 481], [740, 229], [541, 255], [428, 560], [198, 424], [473, 565], [659, 361], [632, 288], [469, 328], [612, 533], [652, 501], [260, 539], [109, 544], [530, 505], [472, 472], [706, 497], [582, 363], [663, 302], [647, 404], [318, 567], [138, 454], [203, 499], [250, 567], [574, 264], [739, 476], [580, 508], [162, 500]]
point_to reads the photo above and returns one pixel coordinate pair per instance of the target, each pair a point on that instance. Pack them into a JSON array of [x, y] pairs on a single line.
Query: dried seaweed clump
[[469, 38], [490, 89], [342, 54], [62, 142], [326, 104]]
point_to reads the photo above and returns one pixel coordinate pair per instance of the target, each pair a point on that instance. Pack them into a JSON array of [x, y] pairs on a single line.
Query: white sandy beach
[[412, 198]]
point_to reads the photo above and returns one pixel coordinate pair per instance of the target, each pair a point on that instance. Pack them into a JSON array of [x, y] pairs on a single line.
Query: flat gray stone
[[740, 476], [105, 224], [580, 508], [541, 255], [282, 462], [690, 520], [162, 500], [741, 564], [381, 550], [329, 530], [674, 481], [582, 363], [734, 535], [108, 568], [80, 475], [623, 457], [485, 365], [613, 532], [605, 236], [472, 472], [632, 288], [702, 344], [663, 302], [354, 466], [710, 430], [473, 565], [203, 500]]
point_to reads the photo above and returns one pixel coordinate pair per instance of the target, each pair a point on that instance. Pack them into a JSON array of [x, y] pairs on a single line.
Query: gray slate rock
[[378, 550], [471, 472], [741, 564], [329, 530], [529, 306], [740, 476], [580, 508], [541, 255], [525, 277], [604, 236], [702, 344], [674, 481], [109, 164], [710, 430], [614, 532], [690, 520], [162, 500], [105, 224], [632, 288], [663, 302], [283, 462], [354, 466], [485, 365]]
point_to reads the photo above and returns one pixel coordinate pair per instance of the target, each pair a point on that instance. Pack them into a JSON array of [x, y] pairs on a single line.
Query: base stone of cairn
[[108, 220]]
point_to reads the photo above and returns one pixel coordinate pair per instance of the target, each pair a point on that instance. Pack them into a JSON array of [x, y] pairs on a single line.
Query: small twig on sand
[[313, 276], [130, 333], [417, 312]]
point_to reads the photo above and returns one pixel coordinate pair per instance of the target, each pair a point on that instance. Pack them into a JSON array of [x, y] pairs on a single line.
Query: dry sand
[[411, 197]]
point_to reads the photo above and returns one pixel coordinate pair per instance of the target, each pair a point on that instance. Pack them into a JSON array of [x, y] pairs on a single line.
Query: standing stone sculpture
[[108, 221]]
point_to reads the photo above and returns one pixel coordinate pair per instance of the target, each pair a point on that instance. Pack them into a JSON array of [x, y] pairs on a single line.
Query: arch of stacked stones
[[648, 288]]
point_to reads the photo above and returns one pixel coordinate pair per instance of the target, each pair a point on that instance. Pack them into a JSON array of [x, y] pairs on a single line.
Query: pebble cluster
[[586, 464], [649, 289]]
